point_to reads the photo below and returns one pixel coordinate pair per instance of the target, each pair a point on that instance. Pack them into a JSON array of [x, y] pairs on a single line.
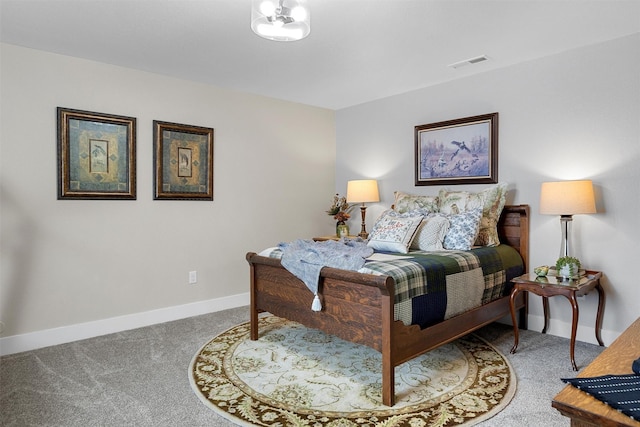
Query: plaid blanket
[[433, 286]]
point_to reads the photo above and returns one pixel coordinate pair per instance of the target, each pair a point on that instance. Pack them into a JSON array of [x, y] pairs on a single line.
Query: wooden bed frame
[[359, 307]]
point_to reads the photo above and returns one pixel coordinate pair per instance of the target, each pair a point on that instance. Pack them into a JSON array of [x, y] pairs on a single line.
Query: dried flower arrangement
[[340, 208]]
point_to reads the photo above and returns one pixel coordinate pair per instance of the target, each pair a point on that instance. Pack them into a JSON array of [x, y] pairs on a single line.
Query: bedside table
[[551, 286]]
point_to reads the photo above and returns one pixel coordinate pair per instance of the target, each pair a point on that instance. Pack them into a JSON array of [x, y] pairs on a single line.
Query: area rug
[[298, 376]]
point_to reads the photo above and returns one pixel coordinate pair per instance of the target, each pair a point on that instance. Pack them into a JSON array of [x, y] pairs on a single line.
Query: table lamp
[[363, 191], [567, 198]]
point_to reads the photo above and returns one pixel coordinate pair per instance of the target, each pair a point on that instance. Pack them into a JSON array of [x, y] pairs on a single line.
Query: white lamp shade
[[567, 198], [363, 191], [280, 20]]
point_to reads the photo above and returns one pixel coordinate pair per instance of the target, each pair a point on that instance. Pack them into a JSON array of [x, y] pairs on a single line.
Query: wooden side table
[[551, 286], [334, 237]]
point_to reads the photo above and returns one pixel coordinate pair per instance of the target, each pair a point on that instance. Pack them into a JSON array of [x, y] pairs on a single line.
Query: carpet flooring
[[140, 377]]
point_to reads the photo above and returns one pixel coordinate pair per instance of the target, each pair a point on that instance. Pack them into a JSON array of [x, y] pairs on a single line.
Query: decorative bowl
[[541, 271]]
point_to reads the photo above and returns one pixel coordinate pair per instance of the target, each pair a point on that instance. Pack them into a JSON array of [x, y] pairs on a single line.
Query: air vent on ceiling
[[469, 61]]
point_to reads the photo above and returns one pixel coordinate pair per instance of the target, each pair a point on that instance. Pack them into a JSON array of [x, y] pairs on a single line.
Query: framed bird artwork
[[460, 151]]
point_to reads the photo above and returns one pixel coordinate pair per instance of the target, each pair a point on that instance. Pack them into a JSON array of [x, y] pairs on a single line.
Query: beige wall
[[575, 115], [70, 262]]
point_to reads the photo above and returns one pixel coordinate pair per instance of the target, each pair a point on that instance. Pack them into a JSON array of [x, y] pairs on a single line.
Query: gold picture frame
[[183, 161], [96, 155]]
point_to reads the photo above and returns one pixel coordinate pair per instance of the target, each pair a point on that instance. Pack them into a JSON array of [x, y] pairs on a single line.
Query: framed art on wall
[[460, 151], [183, 161], [96, 155]]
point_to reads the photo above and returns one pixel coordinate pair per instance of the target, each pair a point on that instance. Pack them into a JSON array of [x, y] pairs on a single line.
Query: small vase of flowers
[[340, 211]]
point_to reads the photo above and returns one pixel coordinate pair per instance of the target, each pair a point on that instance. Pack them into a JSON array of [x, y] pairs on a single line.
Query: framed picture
[[183, 161], [460, 151], [96, 155]]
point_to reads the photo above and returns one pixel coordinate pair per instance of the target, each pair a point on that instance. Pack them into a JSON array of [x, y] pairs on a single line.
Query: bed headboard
[[513, 229]]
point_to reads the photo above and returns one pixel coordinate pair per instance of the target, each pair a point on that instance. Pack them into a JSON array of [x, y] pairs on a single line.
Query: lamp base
[[363, 233], [565, 225]]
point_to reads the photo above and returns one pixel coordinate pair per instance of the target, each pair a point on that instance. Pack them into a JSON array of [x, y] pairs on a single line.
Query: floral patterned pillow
[[455, 202], [407, 202], [393, 232], [431, 233], [492, 201], [463, 230]]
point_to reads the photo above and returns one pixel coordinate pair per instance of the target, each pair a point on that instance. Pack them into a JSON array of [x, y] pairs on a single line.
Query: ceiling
[[358, 50]]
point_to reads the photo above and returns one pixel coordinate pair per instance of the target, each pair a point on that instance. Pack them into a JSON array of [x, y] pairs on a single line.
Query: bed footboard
[[353, 303]]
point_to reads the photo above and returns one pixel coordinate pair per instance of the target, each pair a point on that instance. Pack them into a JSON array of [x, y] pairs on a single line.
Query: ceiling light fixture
[[280, 20]]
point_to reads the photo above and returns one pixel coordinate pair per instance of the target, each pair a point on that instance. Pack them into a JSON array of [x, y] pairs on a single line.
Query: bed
[[359, 307]]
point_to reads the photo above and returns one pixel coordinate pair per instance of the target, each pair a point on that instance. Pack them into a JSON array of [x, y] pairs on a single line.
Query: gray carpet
[[140, 378]]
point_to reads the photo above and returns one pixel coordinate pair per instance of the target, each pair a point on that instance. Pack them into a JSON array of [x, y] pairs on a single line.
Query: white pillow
[[393, 232], [463, 230], [431, 233]]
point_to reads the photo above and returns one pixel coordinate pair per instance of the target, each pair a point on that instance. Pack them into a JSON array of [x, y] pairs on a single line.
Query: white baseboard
[[48, 337], [559, 328]]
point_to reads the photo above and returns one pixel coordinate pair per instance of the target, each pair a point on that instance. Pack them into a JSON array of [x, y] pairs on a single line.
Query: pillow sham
[[455, 202], [405, 202], [431, 233], [492, 201], [463, 230], [393, 232]]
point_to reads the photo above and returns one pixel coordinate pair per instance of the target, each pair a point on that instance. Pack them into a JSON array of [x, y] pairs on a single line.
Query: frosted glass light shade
[[567, 198], [280, 20], [363, 191]]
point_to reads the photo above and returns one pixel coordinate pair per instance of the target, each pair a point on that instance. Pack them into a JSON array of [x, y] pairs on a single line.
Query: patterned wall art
[[183, 161], [96, 155]]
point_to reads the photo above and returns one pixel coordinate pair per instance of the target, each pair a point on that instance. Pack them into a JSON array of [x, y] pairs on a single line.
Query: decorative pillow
[[492, 201], [407, 202], [393, 232], [431, 233], [455, 202], [463, 230]]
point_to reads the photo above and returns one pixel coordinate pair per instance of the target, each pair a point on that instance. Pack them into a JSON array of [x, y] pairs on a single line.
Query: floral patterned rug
[[298, 376]]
